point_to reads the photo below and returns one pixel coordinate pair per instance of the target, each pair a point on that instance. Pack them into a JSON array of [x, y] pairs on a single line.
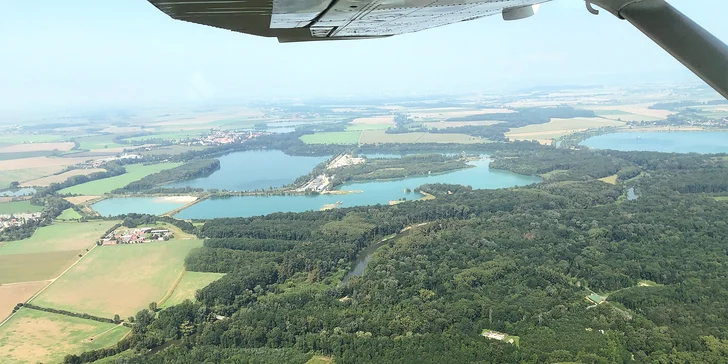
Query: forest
[[191, 170], [406, 166], [520, 261]]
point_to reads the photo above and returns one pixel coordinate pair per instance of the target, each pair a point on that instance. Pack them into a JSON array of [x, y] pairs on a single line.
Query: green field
[[134, 172], [362, 127], [24, 175], [23, 138], [49, 251], [98, 142], [33, 336], [336, 137], [379, 136], [21, 155], [35, 267], [16, 207], [60, 236], [188, 286], [119, 279], [69, 214]]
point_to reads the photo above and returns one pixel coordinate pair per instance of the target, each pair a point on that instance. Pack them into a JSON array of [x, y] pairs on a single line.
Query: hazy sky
[[126, 52]]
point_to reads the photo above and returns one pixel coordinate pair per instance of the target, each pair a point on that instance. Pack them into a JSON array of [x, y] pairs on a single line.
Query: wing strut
[[688, 42]]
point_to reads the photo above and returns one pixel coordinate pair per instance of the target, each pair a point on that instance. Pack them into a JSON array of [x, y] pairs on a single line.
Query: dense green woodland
[[407, 166], [188, 171], [520, 261]]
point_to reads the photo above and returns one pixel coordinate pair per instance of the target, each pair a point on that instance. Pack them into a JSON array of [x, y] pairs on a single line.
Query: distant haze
[[84, 53]]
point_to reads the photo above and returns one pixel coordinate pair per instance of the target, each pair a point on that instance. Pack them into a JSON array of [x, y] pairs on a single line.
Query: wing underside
[[309, 20], [306, 20]]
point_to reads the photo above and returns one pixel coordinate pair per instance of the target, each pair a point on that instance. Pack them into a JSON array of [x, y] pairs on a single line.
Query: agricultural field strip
[[80, 290], [58, 178], [134, 172], [49, 284]]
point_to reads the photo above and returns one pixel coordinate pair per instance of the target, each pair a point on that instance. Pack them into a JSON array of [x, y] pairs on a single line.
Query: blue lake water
[[17, 192], [668, 142], [146, 205], [260, 169], [375, 192], [254, 170]]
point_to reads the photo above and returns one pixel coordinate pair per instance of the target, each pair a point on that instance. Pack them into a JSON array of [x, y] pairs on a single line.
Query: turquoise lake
[[277, 169], [668, 142], [375, 192], [146, 205], [254, 170]]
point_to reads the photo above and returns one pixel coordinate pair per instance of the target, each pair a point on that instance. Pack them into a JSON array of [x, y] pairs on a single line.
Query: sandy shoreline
[[175, 199]]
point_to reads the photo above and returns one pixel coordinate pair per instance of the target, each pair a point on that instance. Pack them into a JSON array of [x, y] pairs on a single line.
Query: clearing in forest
[[33, 336], [612, 180], [119, 279], [134, 172], [318, 359], [69, 214], [188, 286]]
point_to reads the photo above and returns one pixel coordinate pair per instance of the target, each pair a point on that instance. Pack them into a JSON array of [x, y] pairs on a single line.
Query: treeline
[[191, 170], [69, 313], [114, 168]]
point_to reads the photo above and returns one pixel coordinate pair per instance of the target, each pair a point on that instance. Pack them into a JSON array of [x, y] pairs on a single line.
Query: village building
[[136, 236]]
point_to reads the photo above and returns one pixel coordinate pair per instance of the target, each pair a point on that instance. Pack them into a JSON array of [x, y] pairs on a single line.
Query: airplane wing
[[307, 20], [311, 20]]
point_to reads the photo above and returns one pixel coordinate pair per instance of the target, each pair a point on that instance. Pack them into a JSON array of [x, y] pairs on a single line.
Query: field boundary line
[[61, 275], [51, 281], [171, 290], [26, 282]]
